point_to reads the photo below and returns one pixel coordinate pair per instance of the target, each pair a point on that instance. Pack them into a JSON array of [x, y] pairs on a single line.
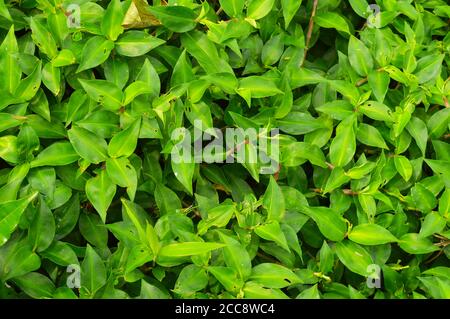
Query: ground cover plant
[[96, 97]]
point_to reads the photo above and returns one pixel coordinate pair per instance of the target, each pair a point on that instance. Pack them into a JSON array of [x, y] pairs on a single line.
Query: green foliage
[[94, 205]]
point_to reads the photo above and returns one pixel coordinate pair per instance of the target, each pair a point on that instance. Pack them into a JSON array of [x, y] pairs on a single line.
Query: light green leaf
[[124, 143], [188, 249], [359, 56], [330, 223], [93, 272], [343, 146], [57, 154], [232, 8], [369, 135], [100, 191], [95, 52], [272, 231], [416, 244], [175, 18], [111, 25], [258, 9], [273, 201], [354, 257], [104, 92], [332, 20], [371, 234], [136, 43], [403, 167], [274, 276], [88, 145], [10, 214]]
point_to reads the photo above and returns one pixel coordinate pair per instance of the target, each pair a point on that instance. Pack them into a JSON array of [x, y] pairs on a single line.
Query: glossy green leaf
[[136, 43], [371, 234], [100, 191], [354, 257], [175, 18], [96, 50], [10, 213], [88, 145]]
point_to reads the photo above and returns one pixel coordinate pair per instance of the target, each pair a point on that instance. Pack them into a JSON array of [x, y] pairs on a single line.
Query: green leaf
[[258, 9], [371, 234], [20, 260], [182, 71], [42, 228], [88, 145], [8, 121], [10, 214], [403, 167], [332, 20], [236, 257], [428, 67], [369, 135], [96, 50], [360, 7], [232, 8], [191, 279], [136, 43], [61, 254], [149, 291], [93, 272], [149, 75], [257, 87], [273, 276], [359, 56], [123, 174], [343, 146], [111, 23], [297, 123], [124, 143], [438, 123], [416, 244], [253, 290], [336, 179], [100, 191], [354, 257], [188, 249], [104, 92], [36, 285], [10, 68], [57, 154], [166, 200], [272, 231], [330, 223], [309, 293], [273, 201], [227, 277], [433, 223], [290, 8], [205, 52], [51, 77], [175, 18], [65, 57], [438, 288], [218, 216], [423, 199], [301, 76], [379, 84], [272, 50], [376, 111], [418, 130], [29, 86], [43, 38], [184, 172]]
